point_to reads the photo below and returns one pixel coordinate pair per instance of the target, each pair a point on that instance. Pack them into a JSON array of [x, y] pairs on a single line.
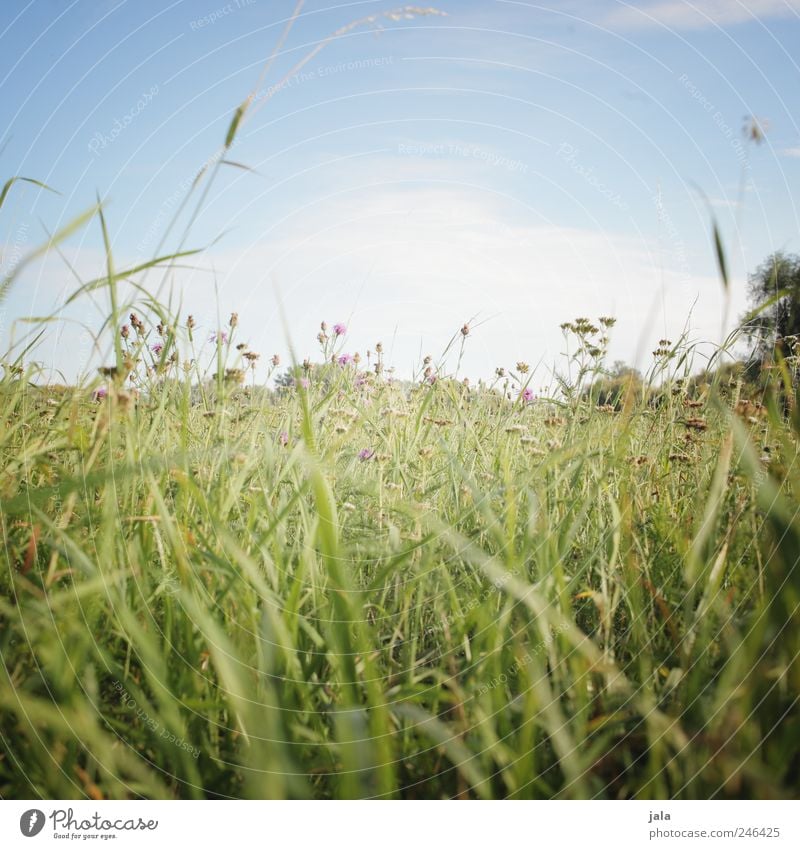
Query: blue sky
[[520, 162]]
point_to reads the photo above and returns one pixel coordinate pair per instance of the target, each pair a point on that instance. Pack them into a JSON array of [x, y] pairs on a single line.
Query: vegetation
[[351, 586], [774, 290], [359, 588]]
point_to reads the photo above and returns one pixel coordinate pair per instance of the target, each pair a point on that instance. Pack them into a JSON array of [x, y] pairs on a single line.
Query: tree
[[775, 317], [611, 388]]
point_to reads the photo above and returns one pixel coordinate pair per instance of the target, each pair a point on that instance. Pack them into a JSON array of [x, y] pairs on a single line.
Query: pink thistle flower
[[157, 348], [100, 393], [339, 329], [283, 438], [527, 394], [220, 338], [345, 359], [365, 454]]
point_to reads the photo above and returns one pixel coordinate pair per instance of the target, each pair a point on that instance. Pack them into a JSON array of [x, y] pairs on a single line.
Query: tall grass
[[356, 587], [501, 600]]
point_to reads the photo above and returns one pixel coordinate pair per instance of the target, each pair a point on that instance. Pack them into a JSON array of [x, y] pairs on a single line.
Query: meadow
[[354, 586], [223, 577]]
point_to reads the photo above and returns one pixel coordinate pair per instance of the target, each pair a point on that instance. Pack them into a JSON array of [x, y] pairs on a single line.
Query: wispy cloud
[[699, 14], [791, 152]]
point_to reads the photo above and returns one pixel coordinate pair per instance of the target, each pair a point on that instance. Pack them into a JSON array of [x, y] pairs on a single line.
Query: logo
[[31, 822]]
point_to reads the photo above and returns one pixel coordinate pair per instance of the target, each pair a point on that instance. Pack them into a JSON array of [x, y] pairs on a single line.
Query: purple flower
[[283, 438], [365, 454], [157, 348], [345, 359], [100, 393], [527, 394], [304, 382], [219, 338], [339, 329]]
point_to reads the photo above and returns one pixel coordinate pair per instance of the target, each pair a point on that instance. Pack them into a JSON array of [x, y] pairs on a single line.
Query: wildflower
[[276, 360], [157, 348], [220, 338], [500, 372], [100, 393], [356, 358], [527, 394], [339, 329], [365, 454], [125, 331], [283, 438], [242, 346], [190, 322], [379, 347], [251, 357], [465, 330], [522, 367], [345, 359], [234, 319], [323, 326]]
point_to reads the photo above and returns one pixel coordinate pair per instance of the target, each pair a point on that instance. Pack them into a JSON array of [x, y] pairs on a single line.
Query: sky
[[507, 163]]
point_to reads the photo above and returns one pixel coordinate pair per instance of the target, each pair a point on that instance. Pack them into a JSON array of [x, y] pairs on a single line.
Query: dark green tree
[[775, 318]]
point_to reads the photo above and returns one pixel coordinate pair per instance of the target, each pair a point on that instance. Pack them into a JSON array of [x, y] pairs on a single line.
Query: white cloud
[[699, 14], [791, 152], [409, 267]]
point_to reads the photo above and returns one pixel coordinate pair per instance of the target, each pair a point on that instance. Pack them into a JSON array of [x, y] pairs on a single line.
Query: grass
[[501, 600], [356, 587]]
